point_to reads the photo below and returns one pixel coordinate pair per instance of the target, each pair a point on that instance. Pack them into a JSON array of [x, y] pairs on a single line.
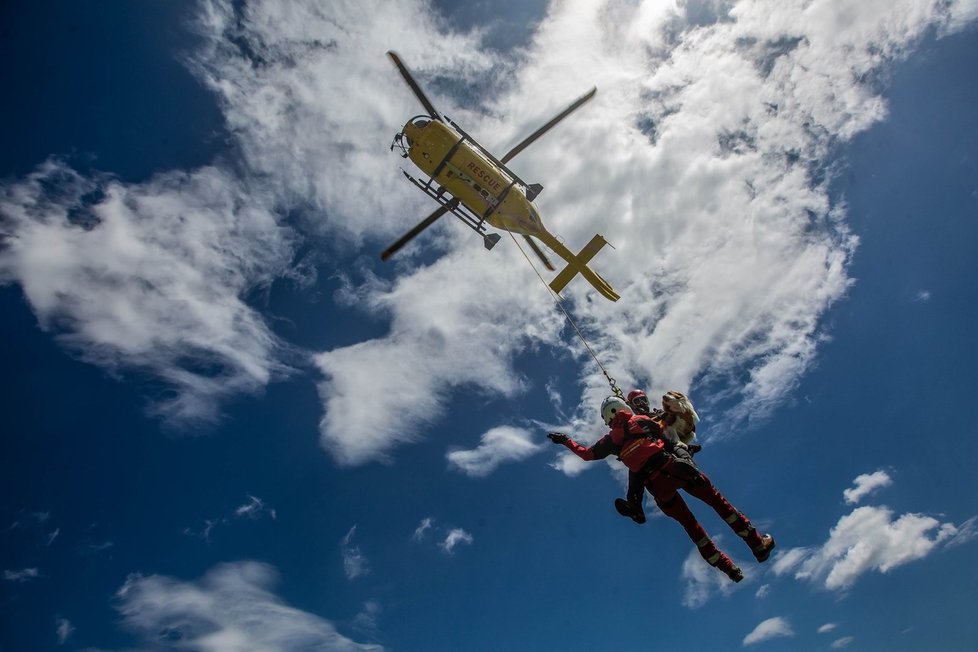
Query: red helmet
[[638, 401]]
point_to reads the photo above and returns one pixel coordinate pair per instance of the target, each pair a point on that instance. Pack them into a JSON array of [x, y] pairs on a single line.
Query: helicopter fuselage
[[456, 163]]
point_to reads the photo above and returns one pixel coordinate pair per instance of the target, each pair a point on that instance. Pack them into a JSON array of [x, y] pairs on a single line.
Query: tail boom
[[577, 264]]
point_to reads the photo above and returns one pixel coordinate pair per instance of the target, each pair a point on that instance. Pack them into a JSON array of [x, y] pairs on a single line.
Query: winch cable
[[560, 304]]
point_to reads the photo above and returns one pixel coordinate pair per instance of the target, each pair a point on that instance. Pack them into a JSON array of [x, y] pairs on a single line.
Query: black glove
[[557, 437], [694, 449]]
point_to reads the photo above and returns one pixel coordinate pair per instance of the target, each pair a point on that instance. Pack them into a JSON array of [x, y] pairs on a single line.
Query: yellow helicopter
[[473, 185]]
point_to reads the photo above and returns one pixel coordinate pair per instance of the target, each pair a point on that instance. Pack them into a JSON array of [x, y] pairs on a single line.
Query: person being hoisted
[[677, 419], [639, 441]]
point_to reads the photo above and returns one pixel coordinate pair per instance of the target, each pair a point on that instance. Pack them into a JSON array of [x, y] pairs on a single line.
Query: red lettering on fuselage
[[490, 182]]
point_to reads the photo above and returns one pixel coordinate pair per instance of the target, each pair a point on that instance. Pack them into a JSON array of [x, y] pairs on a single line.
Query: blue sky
[[229, 426]]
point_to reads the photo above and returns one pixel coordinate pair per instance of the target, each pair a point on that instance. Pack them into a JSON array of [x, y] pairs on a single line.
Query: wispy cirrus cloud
[[422, 530], [456, 537], [447, 538], [22, 575], [63, 630], [355, 563], [150, 277], [253, 508], [233, 606]]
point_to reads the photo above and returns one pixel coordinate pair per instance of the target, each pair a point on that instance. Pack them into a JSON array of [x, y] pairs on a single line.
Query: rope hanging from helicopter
[[560, 304]]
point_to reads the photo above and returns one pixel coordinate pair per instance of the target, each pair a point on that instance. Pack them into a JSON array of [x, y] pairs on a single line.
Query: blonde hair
[[682, 425]]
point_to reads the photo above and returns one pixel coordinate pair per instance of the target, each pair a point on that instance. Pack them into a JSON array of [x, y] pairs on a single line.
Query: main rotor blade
[[546, 261], [424, 224], [545, 128], [406, 74]]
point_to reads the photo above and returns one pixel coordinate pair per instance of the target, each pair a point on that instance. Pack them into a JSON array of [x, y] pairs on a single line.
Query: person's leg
[[760, 545], [632, 505], [671, 503]]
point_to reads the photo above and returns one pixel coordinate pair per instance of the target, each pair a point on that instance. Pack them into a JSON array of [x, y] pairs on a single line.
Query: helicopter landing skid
[[457, 209]]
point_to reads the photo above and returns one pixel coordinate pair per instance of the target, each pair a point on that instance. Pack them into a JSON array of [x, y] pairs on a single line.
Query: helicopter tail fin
[[578, 265]]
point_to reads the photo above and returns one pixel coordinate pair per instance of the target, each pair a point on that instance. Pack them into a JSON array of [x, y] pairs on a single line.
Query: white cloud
[[355, 564], [763, 591], [232, 607], [867, 539], [455, 537], [967, 531], [64, 629], [569, 464], [23, 575], [254, 508], [769, 629], [422, 529], [366, 620], [840, 643], [866, 484], [702, 582], [826, 628], [52, 536], [313, 101], [702, 159], [150, 277], [498, 445]]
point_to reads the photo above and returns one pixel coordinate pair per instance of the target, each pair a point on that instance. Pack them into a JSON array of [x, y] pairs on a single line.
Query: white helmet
[[612, 406]]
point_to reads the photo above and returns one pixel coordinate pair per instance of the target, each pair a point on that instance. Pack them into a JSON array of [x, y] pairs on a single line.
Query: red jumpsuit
[[636, 440]]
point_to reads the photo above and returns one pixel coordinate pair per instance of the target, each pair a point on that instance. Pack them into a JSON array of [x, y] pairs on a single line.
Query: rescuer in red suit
[[639, 443]]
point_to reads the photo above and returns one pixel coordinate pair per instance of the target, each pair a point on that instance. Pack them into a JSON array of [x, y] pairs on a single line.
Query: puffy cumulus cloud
[[499, 445], [867, 539], [865, 485], [702, 582], [233, 607], [150, 277], [771, 628], [827, 627], [703, 159]]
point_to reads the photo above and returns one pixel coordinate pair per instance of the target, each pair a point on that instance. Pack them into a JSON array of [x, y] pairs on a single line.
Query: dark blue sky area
[[102, 83]]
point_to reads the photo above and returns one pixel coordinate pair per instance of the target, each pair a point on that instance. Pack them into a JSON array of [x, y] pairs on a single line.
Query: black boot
[[631, 510], [764, 551], [683, 466]]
